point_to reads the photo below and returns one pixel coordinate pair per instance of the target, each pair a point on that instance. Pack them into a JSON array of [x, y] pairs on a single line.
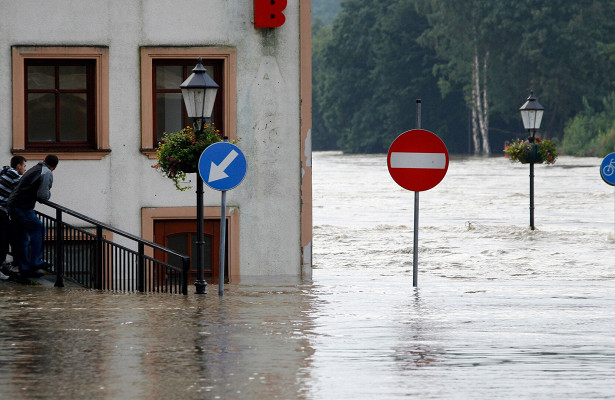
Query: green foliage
[[179, 152], [322, 138], [368, 71], [591, 133], [378, 57], [542, 151], [559, 49]]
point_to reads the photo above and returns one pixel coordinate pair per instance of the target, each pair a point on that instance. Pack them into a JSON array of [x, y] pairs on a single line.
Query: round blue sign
[[222, 166], [607, 169]]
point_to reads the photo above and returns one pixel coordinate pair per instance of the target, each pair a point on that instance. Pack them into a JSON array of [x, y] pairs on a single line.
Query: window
[[60, 104], [162, 108], [60, 101], [169, 111]]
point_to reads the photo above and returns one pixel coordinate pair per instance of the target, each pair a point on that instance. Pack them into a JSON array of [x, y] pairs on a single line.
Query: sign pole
[[222, 167], [415, 251], [417, 161], [222, 244]]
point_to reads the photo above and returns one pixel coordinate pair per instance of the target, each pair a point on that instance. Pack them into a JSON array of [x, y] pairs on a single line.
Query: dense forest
[[472, 63]]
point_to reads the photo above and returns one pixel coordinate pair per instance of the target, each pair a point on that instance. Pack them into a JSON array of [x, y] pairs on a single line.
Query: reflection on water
[[84, 344], [500, 312]]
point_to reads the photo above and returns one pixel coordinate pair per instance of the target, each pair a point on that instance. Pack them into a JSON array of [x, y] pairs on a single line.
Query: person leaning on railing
[[9, 177], [34, 185]]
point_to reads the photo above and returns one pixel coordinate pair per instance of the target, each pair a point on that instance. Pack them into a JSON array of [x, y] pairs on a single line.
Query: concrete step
[[49, 279]]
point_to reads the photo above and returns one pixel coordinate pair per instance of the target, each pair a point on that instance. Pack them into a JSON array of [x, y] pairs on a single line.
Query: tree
[[373, 70], [489, 54], [559, 49], [500, 50], [592, 133], [322, 138], [325, 10], [459, 34]]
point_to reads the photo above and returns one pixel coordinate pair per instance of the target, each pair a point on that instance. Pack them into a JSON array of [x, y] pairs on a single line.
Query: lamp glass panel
[[210, 99], [529, 119], [193, 99], [538, 120]]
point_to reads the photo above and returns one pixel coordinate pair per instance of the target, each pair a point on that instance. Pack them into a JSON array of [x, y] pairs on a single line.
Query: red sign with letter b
[[268, 13]]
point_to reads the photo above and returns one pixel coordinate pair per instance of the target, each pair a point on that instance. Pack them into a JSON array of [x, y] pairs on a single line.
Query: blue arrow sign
[[222, 166], [607, 169]]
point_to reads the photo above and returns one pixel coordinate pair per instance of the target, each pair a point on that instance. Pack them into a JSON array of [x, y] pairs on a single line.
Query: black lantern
[[199, 92], [531, 114]]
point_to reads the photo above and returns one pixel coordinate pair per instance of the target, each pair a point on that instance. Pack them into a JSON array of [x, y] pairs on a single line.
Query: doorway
[[180, 235]]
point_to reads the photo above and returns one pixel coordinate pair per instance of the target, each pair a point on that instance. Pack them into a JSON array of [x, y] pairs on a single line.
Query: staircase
[[97, 256]]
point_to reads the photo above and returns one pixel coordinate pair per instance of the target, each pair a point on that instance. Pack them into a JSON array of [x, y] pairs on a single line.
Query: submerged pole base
[[200, 287]]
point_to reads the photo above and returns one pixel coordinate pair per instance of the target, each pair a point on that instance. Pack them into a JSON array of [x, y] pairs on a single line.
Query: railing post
[[98, 266], [141, 269], [59, 250], [185, 272]]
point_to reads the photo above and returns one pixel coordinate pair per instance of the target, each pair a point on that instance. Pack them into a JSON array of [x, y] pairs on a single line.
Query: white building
[[126, 59]]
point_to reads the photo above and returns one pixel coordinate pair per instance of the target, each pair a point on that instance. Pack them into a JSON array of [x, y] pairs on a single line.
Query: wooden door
[[180, 236]]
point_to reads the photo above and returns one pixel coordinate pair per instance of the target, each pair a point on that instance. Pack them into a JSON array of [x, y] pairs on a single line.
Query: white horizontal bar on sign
[[418, 160]]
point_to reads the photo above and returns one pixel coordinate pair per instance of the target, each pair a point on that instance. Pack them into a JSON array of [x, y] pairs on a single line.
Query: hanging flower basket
[[178, 153], [539, 152]]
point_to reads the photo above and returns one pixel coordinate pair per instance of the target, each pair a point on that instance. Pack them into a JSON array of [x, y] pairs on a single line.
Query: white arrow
[[216, 172], [418, 160]]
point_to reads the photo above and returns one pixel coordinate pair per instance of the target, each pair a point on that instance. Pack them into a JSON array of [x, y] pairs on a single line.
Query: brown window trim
[[188, 64], [100, 56], [229, 98], [90, 90]]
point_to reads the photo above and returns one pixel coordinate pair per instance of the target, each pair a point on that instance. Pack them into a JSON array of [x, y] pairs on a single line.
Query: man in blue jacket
[[34, 185]]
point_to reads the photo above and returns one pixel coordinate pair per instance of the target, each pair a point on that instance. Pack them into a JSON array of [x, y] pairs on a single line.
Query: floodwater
[[500, 311]]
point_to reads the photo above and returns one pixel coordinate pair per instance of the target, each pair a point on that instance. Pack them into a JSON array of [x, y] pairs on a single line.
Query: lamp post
[[199, 93], [531, 114]]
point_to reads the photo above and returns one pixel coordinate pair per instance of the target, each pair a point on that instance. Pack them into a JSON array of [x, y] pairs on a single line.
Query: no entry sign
[[417, 160]]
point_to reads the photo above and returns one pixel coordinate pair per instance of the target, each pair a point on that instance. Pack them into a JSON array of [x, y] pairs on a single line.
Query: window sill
[[150, 153], [63, 155]]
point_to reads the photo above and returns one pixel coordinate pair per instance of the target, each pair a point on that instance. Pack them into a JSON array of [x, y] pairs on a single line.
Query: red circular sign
[[417, 160]]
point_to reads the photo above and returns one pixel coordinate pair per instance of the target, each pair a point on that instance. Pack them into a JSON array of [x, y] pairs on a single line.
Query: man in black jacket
[[34, 185], [9, 177]]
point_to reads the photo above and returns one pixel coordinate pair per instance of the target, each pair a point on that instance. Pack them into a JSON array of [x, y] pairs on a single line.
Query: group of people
[[20, 228]]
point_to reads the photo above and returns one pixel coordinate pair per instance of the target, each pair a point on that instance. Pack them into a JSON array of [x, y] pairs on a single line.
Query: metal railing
[[87, 256]]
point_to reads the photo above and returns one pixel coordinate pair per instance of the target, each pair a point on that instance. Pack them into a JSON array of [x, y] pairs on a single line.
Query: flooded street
[[500, 311]]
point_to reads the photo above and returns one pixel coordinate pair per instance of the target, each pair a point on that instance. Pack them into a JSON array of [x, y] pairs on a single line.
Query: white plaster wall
[[115, 188]]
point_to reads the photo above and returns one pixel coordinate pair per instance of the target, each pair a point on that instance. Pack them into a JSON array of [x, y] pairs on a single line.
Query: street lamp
[[531, 114], [199, 93]]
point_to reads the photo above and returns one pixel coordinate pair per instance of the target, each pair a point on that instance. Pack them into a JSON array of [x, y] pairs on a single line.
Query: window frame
[[187, 65], [227, 95], [100, 143], [90, 91]]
